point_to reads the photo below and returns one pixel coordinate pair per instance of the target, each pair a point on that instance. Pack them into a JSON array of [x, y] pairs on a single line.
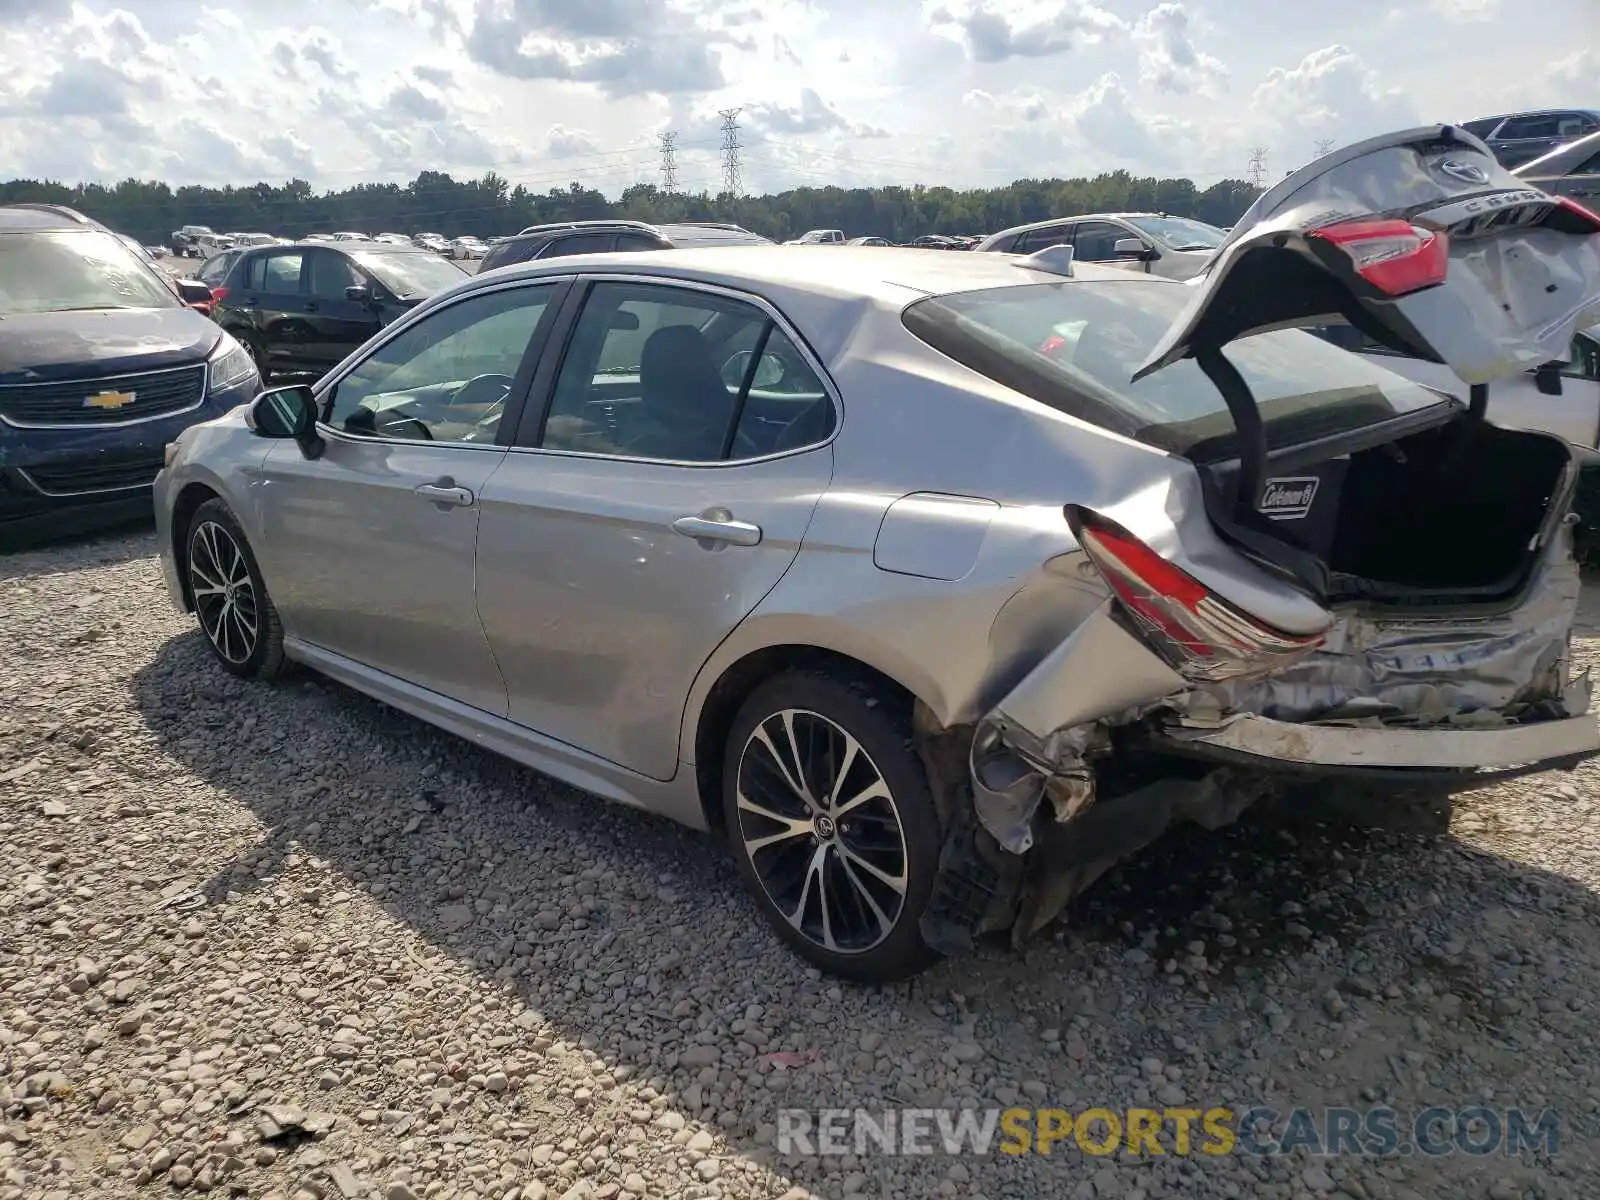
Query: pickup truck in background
[[1562, 398], [818, 237]]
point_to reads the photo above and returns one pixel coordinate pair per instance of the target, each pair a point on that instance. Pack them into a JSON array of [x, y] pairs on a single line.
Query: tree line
[[491, 205]]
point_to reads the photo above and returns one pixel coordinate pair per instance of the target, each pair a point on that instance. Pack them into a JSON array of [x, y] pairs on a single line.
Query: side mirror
[[194, 293], [288, 412], [361, 294], [1547, 379], [1132, 247]]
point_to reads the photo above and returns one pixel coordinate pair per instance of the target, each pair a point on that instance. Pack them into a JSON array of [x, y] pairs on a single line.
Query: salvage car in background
[[302, 308], [101, 365], [1171, 247], [934, 612], [1522, 137], [1569, 170], [604, 237]]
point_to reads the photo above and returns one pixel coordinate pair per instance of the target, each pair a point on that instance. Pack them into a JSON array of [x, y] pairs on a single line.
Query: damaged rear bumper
[[1392, 701], [1250, 740]]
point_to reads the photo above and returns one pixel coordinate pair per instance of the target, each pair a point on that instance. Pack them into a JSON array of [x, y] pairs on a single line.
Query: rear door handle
[[445, 494], [716, 527]]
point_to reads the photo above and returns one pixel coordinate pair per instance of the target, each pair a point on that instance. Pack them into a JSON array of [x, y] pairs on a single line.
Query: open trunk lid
[[1419, 238]]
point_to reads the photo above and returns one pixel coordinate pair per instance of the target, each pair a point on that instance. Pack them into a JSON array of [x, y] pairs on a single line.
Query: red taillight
[[1203, 636], [1052, 343], [1586, 215], [218, 295], [1396, 257]]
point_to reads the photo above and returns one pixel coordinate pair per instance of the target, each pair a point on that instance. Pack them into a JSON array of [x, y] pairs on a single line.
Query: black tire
[[252, 347], [242, 629], [828, 712]]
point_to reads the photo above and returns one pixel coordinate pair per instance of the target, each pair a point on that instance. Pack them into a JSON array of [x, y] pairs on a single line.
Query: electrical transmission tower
[[1324, 146], [669, 162], [731, 183], [1258, 167]]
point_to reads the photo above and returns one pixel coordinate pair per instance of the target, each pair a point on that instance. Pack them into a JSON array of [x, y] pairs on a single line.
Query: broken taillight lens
[[1396, 257], [1202, 636]]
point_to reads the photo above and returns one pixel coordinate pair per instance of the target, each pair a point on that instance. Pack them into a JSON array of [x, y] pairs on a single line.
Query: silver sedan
[[876, 563]]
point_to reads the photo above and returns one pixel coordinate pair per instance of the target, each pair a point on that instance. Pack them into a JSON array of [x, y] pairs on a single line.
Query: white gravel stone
[[534, 995]]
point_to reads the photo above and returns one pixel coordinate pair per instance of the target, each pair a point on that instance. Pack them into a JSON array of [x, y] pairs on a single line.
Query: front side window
[[1075, 346], [446, 378], [673, 373], [60, 271], [1096, 241], [1540, 126], [1041, 239], [331, 273]]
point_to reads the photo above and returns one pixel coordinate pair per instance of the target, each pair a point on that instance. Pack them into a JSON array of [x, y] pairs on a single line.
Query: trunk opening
[[1448, 516]]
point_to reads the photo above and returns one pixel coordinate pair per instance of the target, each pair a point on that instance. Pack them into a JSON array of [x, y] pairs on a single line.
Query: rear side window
[[1483, 128], [1075, 346]]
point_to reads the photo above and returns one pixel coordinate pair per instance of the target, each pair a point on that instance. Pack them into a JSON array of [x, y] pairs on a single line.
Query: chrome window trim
[[337, 376], [829, 388], [205, 393]]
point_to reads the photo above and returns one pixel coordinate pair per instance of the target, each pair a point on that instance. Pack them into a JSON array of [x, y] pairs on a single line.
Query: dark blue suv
[[102, 363]]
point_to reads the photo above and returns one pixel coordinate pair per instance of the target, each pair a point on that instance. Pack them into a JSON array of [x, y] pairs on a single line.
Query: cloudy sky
[[961, 92]]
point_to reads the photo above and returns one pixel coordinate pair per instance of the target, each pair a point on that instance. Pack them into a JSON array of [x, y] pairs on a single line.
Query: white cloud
[[1169, 61], [993, 31], [1332, 92], [561, 142], [1467, 10], [974, 92]]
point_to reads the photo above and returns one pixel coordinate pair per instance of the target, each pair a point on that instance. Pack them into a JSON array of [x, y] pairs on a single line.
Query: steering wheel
[[392, 426]]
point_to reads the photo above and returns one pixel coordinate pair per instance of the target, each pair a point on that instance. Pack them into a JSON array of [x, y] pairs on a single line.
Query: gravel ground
[[281, 941]]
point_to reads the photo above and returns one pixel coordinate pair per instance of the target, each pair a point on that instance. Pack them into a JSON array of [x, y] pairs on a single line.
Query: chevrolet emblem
[[110, 400]]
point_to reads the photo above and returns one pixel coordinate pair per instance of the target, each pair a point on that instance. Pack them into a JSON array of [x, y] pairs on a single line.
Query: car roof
[[345, 247], [24, 218], [887, 273]]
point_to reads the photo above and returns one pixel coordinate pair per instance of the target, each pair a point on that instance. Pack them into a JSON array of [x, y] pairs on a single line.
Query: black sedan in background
[[299, 309]]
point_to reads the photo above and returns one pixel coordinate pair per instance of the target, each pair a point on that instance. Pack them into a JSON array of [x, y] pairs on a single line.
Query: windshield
[[411, 275], [1180, 233], [1074, 346], [60, 270]]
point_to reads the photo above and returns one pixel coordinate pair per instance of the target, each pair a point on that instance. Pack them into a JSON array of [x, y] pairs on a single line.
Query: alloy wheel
[[822, 831], [224, 597]]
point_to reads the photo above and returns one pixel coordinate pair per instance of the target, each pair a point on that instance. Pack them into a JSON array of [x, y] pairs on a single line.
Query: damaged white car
[[938, 583]]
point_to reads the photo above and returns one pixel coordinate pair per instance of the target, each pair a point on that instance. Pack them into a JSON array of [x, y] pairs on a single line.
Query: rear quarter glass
[[1305, 388]]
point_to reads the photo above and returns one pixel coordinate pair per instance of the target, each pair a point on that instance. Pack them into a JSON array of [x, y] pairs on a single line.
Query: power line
[[1258, 167], [731, 183], [669, 162]]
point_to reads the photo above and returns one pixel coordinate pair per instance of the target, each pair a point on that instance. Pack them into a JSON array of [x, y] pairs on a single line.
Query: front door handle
[[716, 528], [445, 493], [311, 306]]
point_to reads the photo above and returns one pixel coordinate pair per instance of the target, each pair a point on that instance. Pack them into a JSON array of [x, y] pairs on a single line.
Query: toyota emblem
[[1465, 172]]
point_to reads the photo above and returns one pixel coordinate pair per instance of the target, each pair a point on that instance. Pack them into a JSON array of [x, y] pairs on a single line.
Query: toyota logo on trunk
[[1463, 171]]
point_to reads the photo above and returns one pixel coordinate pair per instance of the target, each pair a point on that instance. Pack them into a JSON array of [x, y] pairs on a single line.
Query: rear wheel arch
[[739, 680]]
